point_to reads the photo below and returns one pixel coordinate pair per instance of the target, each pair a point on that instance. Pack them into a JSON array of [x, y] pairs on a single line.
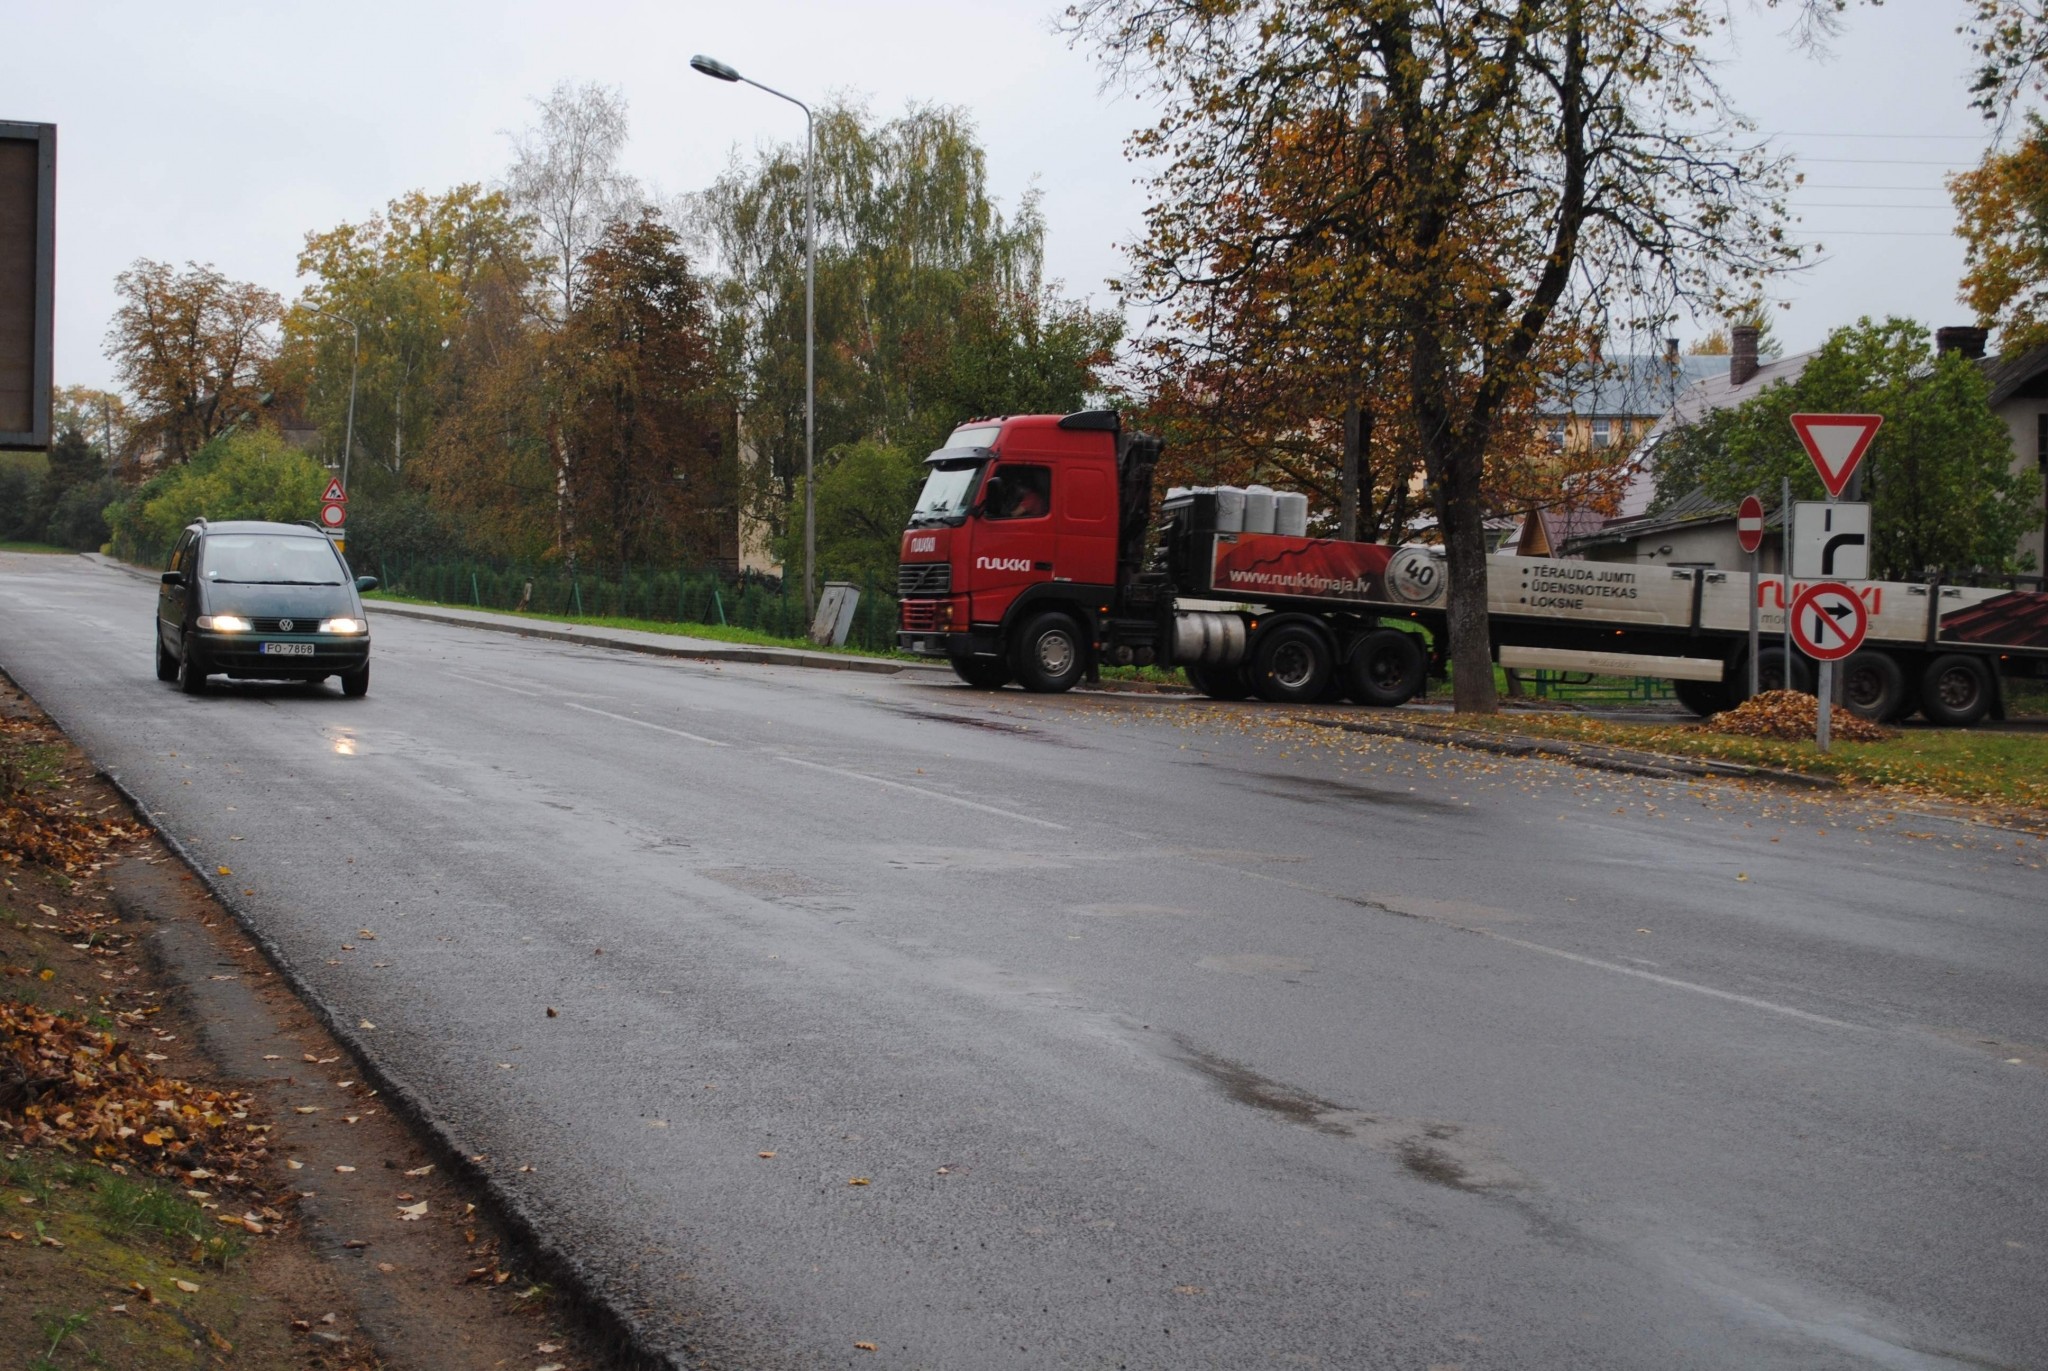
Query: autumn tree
[[1938, 475], [636, 405], [102, 416], [2002, 218], [1547, 162], [407, 279], [193, 349]]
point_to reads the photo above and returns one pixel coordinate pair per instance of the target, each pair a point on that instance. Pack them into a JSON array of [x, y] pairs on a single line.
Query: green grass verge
[[44, 548], [1976, 766], [719, 633]]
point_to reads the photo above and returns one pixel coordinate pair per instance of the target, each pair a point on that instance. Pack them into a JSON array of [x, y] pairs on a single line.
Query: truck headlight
[[224, 623], [342, 625]]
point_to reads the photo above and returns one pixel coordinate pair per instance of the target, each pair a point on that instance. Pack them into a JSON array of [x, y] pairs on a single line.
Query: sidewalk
[[618, 639]]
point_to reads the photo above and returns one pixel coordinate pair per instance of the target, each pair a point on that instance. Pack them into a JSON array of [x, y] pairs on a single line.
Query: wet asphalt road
[[1162, 1034]]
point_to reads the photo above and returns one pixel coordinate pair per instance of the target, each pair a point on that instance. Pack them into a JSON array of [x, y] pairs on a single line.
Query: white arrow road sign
[[1831, 542]]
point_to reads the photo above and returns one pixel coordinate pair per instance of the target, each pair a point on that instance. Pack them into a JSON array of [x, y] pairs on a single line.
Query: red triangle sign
[[1836, 443], [335, 494]]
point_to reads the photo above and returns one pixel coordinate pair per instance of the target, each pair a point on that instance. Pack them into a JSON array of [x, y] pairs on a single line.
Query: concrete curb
[[1628, 762], [694, 648]]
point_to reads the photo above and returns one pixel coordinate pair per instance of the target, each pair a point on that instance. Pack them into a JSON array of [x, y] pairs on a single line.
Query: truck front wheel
[[1291, 665], [983, 673], [1049, 656], [1386, 668]]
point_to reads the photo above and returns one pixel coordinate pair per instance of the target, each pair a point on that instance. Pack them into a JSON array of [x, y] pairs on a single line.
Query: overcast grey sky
[[222, 133]]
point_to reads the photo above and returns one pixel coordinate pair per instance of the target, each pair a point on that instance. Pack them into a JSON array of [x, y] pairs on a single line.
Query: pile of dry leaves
[[65, 1084], [44, 828], [1792, 716]]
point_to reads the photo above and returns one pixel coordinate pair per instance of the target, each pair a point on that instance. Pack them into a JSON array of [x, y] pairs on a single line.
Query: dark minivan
[[261, 601]]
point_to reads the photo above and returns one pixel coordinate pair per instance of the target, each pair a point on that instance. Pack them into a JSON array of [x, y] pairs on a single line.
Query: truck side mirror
[[991, 495]]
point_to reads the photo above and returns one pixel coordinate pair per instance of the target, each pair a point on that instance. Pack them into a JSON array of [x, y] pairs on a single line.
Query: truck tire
[[1771, 673], [1704, 698], [1385, 668], [1955, 690], [1291, 664], [983, 673], [1049, 655], [1873, 686], [1218, 682]]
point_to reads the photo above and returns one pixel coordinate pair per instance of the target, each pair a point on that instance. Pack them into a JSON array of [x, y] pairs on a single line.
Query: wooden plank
[[1611, 663]]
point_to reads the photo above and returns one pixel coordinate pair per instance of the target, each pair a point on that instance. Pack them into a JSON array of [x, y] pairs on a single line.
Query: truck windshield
[[947, 492]]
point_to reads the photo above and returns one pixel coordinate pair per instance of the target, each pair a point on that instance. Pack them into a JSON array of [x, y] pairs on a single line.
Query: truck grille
[[924, 578], [920, 616]]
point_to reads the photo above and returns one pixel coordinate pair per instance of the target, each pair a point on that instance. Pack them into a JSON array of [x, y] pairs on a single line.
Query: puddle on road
[[1322, 790], [1446, 1154], [986, 725], [1256, 964]]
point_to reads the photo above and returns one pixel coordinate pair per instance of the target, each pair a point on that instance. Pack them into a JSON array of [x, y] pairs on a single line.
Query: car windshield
[[947, 491], [269, 559]]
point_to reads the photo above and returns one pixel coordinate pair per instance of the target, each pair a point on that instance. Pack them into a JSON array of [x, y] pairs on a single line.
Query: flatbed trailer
[[1300, 619]]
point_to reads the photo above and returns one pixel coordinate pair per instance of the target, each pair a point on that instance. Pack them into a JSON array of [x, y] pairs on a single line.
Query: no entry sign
[[1749, 523], [1829, 621]]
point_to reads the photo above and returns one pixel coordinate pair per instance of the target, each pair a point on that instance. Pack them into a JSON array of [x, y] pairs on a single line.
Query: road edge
[[617, 1332]]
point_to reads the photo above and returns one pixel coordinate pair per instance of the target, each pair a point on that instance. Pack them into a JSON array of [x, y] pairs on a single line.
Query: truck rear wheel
[[983, 673], [1772, 672], [1955, 691], [1218, 682], [1049, 656], [1873, 686], [1291, 664], [1385, 668]]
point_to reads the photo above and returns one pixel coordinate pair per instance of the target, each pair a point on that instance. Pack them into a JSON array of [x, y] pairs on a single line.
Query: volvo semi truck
[[1032, 557]]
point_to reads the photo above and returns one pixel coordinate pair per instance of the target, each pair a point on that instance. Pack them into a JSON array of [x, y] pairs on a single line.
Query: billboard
[[28, 281]]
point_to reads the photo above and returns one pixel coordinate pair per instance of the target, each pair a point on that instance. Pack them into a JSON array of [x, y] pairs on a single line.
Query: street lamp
[[712, 67], [355, 356]]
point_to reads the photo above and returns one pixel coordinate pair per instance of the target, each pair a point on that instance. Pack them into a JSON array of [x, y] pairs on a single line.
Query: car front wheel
[[356, 684], [192, 667], [166, 664]]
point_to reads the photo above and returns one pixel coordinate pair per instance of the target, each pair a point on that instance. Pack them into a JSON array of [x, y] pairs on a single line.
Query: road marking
[[928, 794], [658, 728], [1754, 1003], [498, 685]]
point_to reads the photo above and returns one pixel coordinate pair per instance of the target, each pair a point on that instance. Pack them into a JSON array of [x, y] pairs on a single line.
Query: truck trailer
[[1032, 557]]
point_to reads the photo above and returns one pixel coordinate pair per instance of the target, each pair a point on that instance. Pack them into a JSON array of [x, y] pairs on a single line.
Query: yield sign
[[1829, 621], [1836, 443], [335, 494], [1749, 523]]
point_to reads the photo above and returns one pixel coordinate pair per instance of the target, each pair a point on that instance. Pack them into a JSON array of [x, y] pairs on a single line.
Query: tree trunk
[[1463, 516], [1355, 427]]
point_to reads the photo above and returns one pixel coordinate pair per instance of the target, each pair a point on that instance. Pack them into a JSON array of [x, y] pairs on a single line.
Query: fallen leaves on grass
[[1793, 716], [44, 828], [68, 1085]]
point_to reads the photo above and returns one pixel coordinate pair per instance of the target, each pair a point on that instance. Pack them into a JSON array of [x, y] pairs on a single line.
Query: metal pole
[[810, 373], [1756, 561], [1827, 690], [355, 359], [1785, 571]]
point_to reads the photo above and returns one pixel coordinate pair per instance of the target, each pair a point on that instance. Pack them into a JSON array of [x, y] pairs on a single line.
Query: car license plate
[[286, 649]]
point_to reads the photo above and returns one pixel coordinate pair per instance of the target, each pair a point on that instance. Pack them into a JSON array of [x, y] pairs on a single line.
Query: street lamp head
[[711, 66]]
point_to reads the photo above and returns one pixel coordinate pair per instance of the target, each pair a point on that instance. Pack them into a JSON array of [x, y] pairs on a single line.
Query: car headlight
[[342, 625], [224, 623]]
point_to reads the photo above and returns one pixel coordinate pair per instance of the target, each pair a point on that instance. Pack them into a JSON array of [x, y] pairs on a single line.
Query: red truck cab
[[1018, 520]]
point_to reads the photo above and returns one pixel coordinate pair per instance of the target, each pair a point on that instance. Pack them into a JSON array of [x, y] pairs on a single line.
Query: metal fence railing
[[679, 596]]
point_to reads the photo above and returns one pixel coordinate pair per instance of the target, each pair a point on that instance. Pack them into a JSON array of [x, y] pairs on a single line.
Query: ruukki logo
[[1002, 563], [924, 544]]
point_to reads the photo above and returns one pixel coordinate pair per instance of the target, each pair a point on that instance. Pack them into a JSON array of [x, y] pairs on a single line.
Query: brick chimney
[[1957, 338], [1742, 363]]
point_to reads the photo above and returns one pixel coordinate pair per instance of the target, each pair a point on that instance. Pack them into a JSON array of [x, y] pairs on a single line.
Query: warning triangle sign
[[335, 494], [1836, 443]]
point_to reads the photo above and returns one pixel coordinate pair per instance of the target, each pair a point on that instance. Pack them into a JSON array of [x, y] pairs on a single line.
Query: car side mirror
[[366, 583], [174, 578]]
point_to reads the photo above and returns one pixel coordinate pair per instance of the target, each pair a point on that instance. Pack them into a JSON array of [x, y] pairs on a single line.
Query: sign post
[[334, 513], [1749, 527], [1785, 517], [1836, 443], [1828, 622]]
